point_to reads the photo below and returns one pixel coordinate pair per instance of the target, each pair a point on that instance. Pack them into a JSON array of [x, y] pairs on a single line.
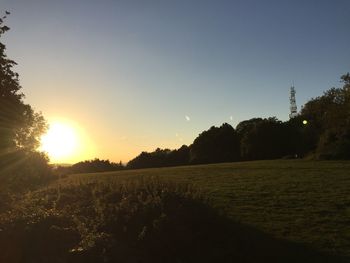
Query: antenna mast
[[293, 104]]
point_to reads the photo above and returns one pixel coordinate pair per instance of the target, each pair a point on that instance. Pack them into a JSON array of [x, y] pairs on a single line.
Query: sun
[[60, 142]]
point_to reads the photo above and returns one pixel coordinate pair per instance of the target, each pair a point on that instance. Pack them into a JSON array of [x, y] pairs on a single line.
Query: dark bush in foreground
[[142, 221], [96, 222], [21, 171]]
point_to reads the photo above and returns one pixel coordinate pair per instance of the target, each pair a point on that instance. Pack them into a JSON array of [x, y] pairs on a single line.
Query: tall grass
[[94, 221]]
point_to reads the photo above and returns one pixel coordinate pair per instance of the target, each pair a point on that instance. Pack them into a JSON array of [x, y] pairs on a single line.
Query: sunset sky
[[131, 76]]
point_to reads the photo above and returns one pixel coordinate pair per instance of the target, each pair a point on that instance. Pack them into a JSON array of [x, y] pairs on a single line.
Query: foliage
[[90, 166], [329, 119], [20, 125], [263, 139], [218, 144], [94, 221], [20, 128], [161, 158]]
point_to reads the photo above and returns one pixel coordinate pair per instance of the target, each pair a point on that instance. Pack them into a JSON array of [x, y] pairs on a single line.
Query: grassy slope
[[301, 201]]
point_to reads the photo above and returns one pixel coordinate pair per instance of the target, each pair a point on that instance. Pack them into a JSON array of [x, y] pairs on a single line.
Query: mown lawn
[[306, 202]]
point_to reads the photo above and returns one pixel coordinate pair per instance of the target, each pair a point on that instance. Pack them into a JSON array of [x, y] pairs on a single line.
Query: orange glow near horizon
[[65, 142]]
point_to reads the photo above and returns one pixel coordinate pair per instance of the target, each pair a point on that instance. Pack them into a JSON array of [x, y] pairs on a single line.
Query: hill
[[303, 201], [291, 209]]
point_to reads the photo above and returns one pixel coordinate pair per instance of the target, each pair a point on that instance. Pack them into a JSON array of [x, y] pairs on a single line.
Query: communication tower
[[293, 104]]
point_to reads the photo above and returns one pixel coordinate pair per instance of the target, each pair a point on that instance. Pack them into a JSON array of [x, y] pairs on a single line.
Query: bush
[[135, 221], [142, 221], [22, 171]]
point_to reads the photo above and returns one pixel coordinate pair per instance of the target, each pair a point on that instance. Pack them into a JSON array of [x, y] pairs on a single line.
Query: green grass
[[282, 210], [306, 202]]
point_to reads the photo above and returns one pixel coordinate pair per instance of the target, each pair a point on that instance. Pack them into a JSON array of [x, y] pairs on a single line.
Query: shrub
[[91, 221], [21, 171]]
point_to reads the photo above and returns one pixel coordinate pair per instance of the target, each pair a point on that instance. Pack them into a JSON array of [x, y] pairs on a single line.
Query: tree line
[[90, 166], [320, 131]]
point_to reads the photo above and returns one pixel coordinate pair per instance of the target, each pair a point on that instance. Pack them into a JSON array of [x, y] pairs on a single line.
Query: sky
[[132, 75]]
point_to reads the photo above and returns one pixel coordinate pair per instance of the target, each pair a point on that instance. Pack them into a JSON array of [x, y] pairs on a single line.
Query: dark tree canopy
[[94, 166], [161, 158], [263, 139], [329, 122], [245, 126], [20, 126], [218, 144]]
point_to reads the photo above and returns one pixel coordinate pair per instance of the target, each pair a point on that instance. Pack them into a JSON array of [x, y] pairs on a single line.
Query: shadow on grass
[[152, 222]]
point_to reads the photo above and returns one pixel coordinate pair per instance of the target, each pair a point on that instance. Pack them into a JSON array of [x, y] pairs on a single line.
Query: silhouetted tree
[[161, 158], [329, 122], [20, 126], [302, 138], [245, 126], [218, 144], [94, 166], [263, 139], [180, 156], [157, 158]]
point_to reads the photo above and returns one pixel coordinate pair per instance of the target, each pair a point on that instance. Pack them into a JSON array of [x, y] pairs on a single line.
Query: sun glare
[[60, 142]]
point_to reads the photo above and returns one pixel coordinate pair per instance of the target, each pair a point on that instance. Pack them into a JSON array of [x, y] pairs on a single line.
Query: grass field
[[302, 201], [306, 203]]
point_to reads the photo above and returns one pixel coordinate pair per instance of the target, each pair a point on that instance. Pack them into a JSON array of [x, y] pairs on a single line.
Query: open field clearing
[[302, 201], [273, 211]]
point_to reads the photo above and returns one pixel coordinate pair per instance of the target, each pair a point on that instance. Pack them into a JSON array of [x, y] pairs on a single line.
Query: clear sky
[[136, 75]]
